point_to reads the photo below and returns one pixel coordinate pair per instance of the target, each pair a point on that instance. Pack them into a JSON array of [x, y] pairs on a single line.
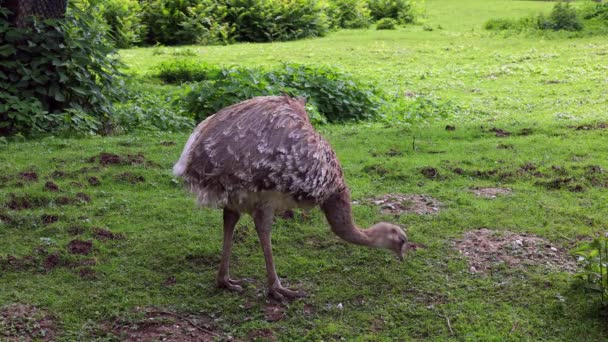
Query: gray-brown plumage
[[263, 156]]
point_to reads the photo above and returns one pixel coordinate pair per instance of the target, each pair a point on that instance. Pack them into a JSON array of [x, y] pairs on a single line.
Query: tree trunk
[[43, 9]]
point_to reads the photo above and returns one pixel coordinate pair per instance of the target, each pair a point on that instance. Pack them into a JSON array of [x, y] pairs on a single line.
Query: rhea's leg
[[223, 278], [263, 224]]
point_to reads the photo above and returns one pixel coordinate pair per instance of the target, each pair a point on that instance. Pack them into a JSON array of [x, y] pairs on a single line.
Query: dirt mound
[[158, 325], [50, 186], [130, 178], [80, 247], [491, 192], [397, 204], [486, 248], [19, 322], [29, 176], [104, 234]]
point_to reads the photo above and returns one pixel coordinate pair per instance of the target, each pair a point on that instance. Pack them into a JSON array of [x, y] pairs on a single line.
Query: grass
[[540, 89]]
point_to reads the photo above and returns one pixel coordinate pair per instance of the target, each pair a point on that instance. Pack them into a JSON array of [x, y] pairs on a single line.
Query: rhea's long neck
[[338, 212]]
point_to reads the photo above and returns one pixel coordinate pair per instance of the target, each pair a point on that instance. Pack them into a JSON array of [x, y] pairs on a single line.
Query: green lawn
[[539, 89]]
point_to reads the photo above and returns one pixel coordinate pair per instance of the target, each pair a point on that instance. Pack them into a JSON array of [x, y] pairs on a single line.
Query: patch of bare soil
[[131, 178], [491, 192], [265, 334], [104, 234], [106, 159], [500, 132], [94, 181], [159, 325], [19, 322], [87, 273], [167, 143], [50, 186], [397, 204], [486, 248], [274, 312], [49, 219], [80, 247], [25, 201], [83, 197], [29, 176], [51, 261], [430, 172], [586, 127], [75, 230]]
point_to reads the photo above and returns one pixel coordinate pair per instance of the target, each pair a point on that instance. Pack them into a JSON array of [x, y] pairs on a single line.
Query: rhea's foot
[[230, 284], [279, 293]]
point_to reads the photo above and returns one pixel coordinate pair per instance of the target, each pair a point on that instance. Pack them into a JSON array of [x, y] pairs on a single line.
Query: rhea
[[260, 157]]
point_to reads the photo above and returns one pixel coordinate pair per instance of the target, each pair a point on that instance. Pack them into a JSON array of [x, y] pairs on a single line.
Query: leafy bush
[[562, 17], [174, 22], [593, 256], [125, 22], [594, 10], [181, 71], [352, 14], [150, 109], [400, 10], [223, 21], [386, 24], [275, 20], [57, 75], [335, 95]]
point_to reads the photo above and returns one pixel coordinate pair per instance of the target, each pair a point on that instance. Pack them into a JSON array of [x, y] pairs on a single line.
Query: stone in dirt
[[397, 204], [491, 192], [485, 249], [20, 322]]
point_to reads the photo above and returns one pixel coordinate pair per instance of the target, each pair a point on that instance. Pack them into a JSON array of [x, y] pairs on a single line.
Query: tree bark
[[43, 9]]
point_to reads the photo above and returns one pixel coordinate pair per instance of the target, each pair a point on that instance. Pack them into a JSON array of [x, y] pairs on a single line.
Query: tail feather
[[179, 169]]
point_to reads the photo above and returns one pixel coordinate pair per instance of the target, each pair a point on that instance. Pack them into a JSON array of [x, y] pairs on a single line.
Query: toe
[[228, 284]]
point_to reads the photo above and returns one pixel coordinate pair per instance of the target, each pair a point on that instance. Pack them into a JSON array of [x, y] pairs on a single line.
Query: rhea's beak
[[402, 250]]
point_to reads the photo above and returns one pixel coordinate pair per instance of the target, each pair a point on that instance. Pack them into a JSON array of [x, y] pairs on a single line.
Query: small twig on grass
[[447, 319], [185, 319], [514, 327]]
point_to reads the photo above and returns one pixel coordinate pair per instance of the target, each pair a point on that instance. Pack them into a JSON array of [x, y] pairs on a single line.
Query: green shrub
[[275, 20], [151, 109], [386, 24], [173, 22], [182, 71], [58, 75], [353, 14], [400, 10], [335, 95], [563, 17], [594, 10], [125, 22], [223, 21], [593, 257]]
